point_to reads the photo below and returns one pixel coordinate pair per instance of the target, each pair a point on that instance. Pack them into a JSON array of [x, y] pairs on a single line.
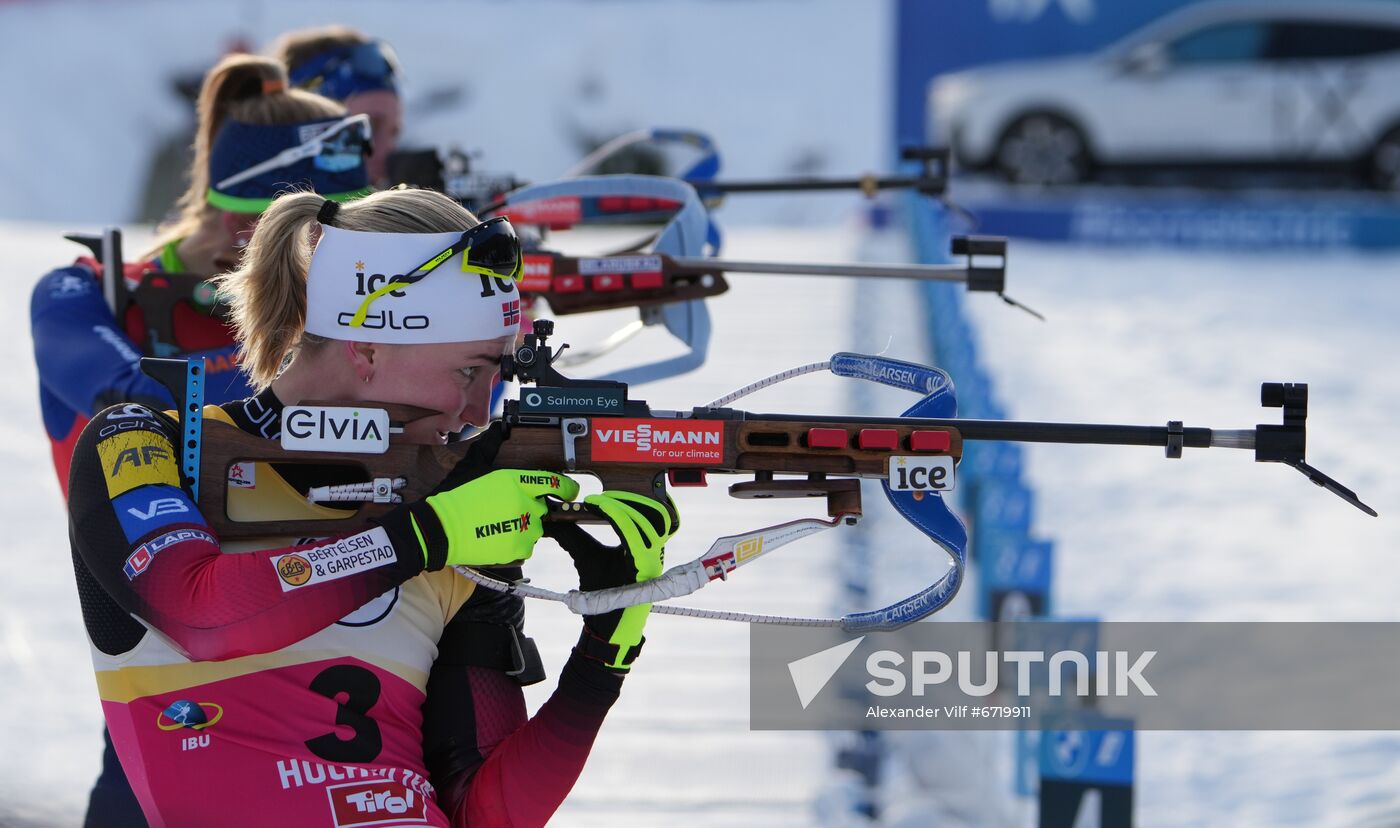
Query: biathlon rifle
[[485, 193], [667, 276], [596, 428], [582, 284], [157, 293]]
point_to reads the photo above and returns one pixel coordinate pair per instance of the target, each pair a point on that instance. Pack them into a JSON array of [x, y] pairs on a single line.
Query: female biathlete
[[356, 679]]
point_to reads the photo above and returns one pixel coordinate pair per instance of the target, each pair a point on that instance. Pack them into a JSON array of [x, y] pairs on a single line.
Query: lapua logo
[[335, 428]]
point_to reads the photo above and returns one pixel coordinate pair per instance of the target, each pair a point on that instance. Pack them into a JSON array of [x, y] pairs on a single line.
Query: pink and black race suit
[[331, 682]]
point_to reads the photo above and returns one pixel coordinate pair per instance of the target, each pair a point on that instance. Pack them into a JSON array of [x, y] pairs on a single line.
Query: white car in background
[[1234, 85]]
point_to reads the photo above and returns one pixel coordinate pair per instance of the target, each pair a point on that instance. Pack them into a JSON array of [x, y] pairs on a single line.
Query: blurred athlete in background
[[347, 66]]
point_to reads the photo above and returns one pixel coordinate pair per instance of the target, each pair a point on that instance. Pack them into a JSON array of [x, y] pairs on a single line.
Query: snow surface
[[1143, 337]]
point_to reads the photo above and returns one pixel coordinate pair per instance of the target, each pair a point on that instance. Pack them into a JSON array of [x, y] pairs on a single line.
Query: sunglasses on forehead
[[491, 249], [375, 62], [339, 147]]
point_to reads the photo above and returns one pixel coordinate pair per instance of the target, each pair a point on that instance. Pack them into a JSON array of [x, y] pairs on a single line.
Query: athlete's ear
[[363, 358]]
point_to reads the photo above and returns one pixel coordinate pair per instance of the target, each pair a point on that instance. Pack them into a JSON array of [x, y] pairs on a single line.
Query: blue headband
[[334, 167], [348, 70]]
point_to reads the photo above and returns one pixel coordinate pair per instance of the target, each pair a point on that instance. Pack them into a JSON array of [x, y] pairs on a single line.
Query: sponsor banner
[[335, 428], [537, 271], [1086, 772], [619, 264], [501, 527], [892, 372], [572, 400], [1132, 218], [665, 442], [560, 212], [299, 773], [130, 416], [383, 802], [145, 510], [914, 473], [339, 559], [136, 458], [1015, 674], [140, 560]]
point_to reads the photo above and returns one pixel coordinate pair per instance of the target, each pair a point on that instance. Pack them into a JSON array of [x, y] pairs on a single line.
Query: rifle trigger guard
[[573, 428]]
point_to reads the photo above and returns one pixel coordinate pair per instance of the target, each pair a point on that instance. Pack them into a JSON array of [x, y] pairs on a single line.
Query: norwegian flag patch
[[510, 312]]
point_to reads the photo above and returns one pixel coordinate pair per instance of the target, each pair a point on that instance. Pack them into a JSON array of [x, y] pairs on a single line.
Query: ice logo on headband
[[365, 284]]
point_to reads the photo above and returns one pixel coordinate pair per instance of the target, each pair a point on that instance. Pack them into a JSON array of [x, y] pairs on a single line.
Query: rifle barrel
[[941, 273], [799, 185], [1036, 432]]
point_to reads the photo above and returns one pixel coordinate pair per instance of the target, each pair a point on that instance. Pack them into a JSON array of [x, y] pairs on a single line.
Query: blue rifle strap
[[928, 513], [908, 376], [192, 423]]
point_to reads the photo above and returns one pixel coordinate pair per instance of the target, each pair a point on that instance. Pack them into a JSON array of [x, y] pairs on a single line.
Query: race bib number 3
[[921, 474]]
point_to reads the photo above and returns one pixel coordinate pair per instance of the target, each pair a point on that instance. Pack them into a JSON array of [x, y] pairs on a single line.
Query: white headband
[[448, 305]]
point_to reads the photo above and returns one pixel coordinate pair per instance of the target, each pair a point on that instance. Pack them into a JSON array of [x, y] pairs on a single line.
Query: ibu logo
[[335, 428]]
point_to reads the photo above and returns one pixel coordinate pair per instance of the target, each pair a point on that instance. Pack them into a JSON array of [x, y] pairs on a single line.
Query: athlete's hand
[[496, 518], [644, 525], [477, 516]]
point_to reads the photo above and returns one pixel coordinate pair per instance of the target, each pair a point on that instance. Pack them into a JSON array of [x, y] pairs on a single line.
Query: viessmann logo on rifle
[[500, 527], [675, 442], [335, 428]]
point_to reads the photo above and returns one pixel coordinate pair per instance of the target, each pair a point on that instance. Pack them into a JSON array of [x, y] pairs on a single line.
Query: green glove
[[490, 520], [644, 525]]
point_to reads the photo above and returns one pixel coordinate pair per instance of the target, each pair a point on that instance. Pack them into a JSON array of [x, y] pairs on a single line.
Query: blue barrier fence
[[1013, 569]]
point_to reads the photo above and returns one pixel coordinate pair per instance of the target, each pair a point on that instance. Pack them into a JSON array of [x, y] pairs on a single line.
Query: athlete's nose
[[478, 408]]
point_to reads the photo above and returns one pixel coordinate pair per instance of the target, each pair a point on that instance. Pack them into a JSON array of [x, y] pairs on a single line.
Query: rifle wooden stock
[[755, 446]]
